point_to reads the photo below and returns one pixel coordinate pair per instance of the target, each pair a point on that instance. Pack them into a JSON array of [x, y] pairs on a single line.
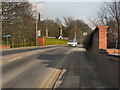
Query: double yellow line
[[51, 78]]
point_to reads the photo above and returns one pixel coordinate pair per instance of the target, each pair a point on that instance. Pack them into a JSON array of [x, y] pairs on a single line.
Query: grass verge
[[55, 42]]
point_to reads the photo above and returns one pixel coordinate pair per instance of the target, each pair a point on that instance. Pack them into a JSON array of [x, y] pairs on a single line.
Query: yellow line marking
[[55, 73], [45, 81], [50, 77]]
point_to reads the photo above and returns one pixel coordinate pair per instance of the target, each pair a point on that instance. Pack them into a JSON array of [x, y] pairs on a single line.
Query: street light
[[36, 20]]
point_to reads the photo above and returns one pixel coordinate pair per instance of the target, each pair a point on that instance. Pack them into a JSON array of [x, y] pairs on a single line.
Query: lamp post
[[75, 34], [36, 21]]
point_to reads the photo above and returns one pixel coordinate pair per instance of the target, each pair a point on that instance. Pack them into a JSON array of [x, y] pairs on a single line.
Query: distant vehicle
[[72, 43], [78, 42]]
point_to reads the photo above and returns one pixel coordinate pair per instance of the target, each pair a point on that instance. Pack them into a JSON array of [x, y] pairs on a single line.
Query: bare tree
[[18, 21], [76, 26], [58, 21], [109, 15]]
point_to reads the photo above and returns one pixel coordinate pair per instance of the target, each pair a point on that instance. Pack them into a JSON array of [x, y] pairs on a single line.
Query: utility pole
[[119, 25], [36, 23]]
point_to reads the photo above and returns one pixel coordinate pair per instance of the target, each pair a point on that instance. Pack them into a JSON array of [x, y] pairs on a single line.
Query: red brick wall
[[103, 37], [41, 41], [99, 38], [3, 47], [114, 51]]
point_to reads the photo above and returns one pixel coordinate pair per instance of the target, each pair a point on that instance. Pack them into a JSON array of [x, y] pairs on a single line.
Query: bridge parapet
[[107, 60]]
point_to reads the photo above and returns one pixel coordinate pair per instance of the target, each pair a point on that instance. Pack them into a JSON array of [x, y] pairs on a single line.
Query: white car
[[72, 43]]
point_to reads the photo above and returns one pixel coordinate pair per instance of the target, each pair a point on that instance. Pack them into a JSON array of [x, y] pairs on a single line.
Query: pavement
[[53, 67]]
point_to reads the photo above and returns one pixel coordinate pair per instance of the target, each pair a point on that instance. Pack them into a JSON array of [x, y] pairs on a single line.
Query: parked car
[[72, 43]]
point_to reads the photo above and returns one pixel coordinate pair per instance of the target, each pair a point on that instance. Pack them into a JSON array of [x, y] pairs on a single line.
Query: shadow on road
[[79, 72]]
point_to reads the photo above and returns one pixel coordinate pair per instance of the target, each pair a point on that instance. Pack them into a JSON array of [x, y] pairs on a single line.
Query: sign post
[[7, 38], [85, 33], [39, 33]]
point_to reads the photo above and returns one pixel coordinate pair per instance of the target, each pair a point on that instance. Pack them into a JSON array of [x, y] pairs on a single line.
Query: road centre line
[[18, 57]]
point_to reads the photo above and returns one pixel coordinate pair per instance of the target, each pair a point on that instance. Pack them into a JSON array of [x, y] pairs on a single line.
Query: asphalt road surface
[[14, 51], [61, 67]]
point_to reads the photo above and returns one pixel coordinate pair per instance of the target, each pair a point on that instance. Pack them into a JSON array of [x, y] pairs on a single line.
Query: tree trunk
[[13, 43]]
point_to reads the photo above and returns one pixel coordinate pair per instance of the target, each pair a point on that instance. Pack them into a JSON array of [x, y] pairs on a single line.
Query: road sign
[[39, 33], [8, 35], [4, 36], [7, 38], [74, 39], [85, 33]]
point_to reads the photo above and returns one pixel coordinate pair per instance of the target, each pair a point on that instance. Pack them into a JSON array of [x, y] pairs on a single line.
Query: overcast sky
[[76, 10]]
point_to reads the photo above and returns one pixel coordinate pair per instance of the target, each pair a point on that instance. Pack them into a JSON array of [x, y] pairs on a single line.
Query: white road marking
[[1, 57], [14, 59]]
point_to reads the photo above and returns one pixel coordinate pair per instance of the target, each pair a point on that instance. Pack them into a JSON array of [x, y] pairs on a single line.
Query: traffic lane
[[33, 72], [18, 62], [13, 57], [14, 66], [8, 52], [10, 65]]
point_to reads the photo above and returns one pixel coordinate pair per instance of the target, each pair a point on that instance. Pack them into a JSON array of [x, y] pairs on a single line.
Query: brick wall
[[107, 66], [113, 51], [41, 41], [4, 47], [103, 37], [95, 34]]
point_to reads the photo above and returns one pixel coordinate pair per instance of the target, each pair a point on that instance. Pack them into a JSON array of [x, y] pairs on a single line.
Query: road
[[58, 67], [14, 51]]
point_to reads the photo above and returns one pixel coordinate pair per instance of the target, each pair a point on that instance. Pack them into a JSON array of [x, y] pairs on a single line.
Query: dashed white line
[[14, 59]]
